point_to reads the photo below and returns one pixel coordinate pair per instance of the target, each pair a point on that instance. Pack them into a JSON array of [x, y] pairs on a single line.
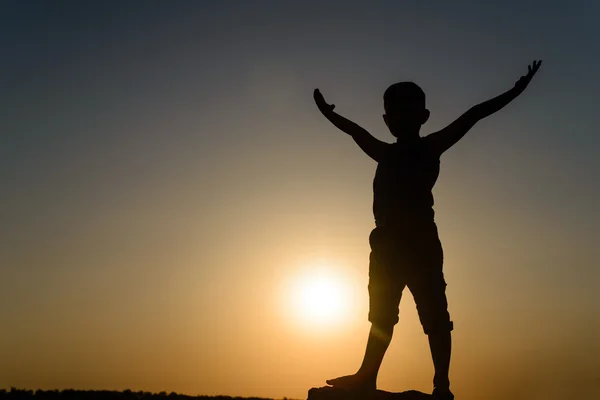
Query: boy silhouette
[[405, 248]]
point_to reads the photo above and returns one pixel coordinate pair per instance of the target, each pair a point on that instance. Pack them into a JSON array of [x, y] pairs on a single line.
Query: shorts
[[413, 259]]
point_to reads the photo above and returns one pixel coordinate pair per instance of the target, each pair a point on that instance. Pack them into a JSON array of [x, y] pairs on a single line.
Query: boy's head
[[405, 112]]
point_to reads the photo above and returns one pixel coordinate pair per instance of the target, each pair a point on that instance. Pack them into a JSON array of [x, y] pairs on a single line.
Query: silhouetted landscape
[[323, 393], [71, 394]]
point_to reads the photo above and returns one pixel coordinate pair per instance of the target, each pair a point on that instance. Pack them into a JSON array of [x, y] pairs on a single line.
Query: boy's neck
[[409, 139], [408, 135]]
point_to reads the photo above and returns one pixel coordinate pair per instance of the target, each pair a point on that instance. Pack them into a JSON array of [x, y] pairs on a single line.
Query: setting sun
[[320, 296]]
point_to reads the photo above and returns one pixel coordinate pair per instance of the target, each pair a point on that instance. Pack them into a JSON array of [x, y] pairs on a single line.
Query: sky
[[170, 194]]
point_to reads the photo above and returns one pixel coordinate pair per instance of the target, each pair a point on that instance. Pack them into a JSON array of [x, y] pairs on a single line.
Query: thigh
[[429, 291], [428, 287], [386, 282]]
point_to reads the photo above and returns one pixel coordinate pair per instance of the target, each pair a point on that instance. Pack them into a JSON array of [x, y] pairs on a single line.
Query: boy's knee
[[384, 321], [438, 325]]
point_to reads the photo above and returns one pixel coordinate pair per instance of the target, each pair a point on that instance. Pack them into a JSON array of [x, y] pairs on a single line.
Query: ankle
[[441, 383], [367, 374], [442, 393]]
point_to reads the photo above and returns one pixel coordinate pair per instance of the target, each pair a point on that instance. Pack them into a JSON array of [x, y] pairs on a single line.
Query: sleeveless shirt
[[402, 188]]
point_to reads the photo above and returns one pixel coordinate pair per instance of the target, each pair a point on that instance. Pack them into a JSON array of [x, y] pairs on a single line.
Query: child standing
[[405, 248]]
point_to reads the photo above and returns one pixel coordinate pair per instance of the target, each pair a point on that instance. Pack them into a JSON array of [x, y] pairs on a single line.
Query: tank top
[[402, 188]]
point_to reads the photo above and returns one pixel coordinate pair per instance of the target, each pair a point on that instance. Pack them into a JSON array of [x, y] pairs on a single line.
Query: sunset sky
[[172, 202]]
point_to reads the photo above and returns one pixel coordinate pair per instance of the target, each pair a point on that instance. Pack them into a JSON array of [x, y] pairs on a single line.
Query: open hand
[[525, 79], [321, 103]]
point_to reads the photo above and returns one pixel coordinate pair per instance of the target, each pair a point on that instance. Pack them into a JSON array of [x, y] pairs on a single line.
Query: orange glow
[[319, 296]]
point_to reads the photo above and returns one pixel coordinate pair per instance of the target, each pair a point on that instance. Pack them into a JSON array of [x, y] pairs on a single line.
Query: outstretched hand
[[321, 103], [525, 79]]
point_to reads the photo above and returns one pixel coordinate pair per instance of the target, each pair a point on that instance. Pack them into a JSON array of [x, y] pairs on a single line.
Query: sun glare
[[321, 296]]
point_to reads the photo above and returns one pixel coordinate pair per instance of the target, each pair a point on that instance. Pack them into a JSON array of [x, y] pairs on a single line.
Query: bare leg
[[441, 348], [366, 377]]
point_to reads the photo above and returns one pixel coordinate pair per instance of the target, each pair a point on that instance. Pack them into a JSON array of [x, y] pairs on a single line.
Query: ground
[[330, 393]]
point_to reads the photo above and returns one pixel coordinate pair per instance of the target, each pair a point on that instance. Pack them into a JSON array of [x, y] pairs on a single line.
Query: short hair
[[402, 93]]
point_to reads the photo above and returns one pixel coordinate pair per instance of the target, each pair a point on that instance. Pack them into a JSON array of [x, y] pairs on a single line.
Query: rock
[[331, 393]]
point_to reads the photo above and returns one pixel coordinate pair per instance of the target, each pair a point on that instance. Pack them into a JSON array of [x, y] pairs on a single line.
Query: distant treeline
[[71, 394]]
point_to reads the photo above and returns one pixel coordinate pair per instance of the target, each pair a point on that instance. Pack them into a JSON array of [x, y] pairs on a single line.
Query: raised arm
[[367, 142], [447, 137]]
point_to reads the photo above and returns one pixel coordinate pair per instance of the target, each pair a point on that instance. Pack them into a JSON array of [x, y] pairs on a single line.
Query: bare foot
[[356, 382]]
